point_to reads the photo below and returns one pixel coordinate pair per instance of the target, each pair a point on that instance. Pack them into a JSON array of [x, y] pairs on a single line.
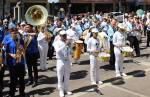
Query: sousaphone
[[36, 15]]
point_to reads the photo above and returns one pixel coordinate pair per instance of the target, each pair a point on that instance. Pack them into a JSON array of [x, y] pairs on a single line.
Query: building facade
[[76, 6]]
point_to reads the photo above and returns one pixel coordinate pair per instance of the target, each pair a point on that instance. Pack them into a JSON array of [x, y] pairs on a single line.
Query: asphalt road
[[136, 84]]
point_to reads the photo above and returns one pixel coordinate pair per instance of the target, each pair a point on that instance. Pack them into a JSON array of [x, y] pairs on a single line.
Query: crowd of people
[[22, 44]]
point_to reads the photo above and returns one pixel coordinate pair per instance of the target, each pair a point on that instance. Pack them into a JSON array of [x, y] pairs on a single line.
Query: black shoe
[[29, 83], [34, 84]]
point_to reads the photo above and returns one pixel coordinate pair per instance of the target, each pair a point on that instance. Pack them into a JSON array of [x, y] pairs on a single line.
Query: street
[[136, 84]]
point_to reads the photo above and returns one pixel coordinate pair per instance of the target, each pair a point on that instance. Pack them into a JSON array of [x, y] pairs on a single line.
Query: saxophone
[[20, 53], [27, 41]]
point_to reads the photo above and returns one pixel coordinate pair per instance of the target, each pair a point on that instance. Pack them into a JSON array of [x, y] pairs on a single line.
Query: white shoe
[[124, 75], [93, 83], [61, 94], [118, 75], [69, 93], [100, 82]]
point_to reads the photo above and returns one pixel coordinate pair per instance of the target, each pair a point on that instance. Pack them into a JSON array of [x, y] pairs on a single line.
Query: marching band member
[[119, 42], [72, 33], [111, 30], [93, 48], [132, 36], [57, 37], [62, 48], [15, 61], [32, 56], [74, 36], [2, 67], [148, 30], [43, 40], [50, 29]]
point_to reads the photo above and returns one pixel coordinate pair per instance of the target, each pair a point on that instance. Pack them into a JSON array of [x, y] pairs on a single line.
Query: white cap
[[23, 23], [121, 26], [95, 30], [63, 32]]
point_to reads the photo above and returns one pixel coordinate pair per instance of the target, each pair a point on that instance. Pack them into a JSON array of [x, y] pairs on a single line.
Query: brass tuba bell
[[36, 15]]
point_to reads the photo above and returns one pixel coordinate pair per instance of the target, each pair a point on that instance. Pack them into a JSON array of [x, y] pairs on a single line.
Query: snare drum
[[104, 57], [78, 48], [127, 51]]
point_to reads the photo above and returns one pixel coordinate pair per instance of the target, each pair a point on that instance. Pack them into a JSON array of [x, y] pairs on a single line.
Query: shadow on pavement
[[145, 55], [78, 75], [115, 81], [108, 67], [142, 48], [118, 81], [47, 80], [90, 88], [137, 73], [52, 69], [83, 89], [85, 62], [40, 92]]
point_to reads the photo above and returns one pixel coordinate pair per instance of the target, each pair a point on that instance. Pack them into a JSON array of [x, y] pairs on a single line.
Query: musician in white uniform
[[119, 42], [63, 50], [93, 48], [43, 41]]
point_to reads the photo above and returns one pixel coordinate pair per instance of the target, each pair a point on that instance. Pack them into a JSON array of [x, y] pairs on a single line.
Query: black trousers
[[2, 71], [17, 73], [134, 43], [31, 60], [51, 49], [145, 27], [148, 38], [112, 55]]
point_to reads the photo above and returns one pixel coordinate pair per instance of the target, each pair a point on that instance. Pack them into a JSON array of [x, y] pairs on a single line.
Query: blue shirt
[[32, 47], [10, 47], [79, 29], [110, 32], [86, 25]]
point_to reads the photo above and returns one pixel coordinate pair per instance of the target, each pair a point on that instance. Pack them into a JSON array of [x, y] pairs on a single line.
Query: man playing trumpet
[[43, 40]]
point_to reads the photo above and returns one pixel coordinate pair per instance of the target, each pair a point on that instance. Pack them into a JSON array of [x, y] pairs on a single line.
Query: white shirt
[[41, 38], [93, 45], [73, 34], [87, 37], [62, 50], [118, 39]]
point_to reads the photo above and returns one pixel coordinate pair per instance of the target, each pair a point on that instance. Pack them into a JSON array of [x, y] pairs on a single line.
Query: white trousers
[[43, 50], [63, 74], [94, 69], [119, 61]]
